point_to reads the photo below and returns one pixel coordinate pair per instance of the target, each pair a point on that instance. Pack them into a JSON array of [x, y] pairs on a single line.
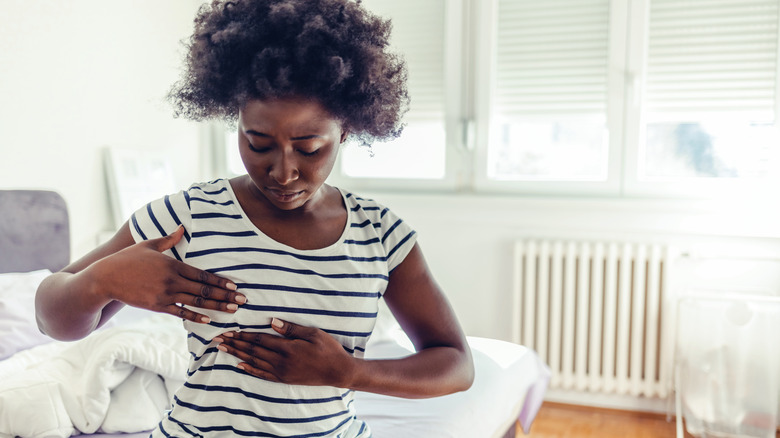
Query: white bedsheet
[[509, 384], [116, 380], [121, 380]]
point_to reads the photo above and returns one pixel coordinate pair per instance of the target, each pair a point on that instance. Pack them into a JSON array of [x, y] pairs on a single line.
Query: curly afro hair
[[333, 51]]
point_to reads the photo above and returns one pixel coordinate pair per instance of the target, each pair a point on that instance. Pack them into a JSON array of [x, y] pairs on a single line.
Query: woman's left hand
[[302, 356]]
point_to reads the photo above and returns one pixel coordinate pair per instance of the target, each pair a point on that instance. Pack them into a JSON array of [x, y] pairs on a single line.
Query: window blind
[[712, 56], [551, 58], [418, 34]]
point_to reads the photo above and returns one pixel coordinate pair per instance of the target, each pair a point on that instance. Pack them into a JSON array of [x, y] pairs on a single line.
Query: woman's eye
[[309, 154], [258, 149]]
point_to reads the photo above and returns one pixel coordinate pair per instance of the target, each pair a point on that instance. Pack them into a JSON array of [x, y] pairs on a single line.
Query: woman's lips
[[284, 195]]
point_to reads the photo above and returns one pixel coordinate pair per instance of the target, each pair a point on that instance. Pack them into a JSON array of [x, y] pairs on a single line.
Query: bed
[[118, 380]]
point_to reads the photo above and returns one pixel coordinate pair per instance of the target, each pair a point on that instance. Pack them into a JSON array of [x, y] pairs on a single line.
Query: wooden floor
[[567, 421]]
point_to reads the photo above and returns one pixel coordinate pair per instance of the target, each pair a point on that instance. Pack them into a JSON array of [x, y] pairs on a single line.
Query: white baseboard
[[612, 401]]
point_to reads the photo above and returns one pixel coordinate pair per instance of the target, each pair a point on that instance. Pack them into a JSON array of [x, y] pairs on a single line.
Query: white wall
[[79, 75], [468, 239]]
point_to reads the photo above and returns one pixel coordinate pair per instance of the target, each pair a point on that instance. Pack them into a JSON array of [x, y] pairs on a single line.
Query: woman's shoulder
[[213, 187], [356, 202]]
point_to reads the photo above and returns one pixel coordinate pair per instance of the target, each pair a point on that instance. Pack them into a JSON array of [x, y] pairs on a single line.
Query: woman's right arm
[[72, 303]]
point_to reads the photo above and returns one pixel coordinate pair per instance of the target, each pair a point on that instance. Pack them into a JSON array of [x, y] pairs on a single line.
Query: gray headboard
[[34, 231]]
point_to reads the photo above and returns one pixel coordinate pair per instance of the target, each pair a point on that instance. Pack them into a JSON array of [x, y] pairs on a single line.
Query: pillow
[[18, 329]]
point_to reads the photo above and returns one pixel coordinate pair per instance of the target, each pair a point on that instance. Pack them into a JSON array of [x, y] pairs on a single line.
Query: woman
[[276, 274]]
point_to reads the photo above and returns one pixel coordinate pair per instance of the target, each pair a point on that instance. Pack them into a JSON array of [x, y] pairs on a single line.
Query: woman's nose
[[284, 169]]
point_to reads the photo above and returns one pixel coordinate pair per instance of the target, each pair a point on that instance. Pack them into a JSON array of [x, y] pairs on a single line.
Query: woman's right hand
[[141, 276]]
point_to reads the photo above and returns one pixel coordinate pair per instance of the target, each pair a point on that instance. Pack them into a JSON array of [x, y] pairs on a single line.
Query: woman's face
[[289, 147]]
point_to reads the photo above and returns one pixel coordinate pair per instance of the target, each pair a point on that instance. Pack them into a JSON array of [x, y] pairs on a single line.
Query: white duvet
[[119, 379]]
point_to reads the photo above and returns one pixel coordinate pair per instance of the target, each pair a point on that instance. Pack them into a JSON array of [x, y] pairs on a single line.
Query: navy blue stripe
[[251, 414], [203, 341], [310, 311], [160, 229], [249, 233], [355, 208], [370, 208], [277, 400], [280, 252], [363, 224], [384, 212], [294, 271], [208, 201], [265, 327], [263, 434], [189, 431], [214, 192], [164, 432], [361, 242], [362, 428], [174, 216], [235, 325], [345, 333], [187, 198], [214, 215], [217, 368], [196, 358], [390, 230], [137, 228], [395, 248], [306, 290]]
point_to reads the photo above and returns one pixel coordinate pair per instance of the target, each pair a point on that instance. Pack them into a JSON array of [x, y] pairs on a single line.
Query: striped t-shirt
[[336, 289]]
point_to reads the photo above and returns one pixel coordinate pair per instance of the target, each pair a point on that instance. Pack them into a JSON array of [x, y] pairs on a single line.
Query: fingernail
[[241, 367], [232, 286], [232, 306], [277, 323], [219, 340], [205, 319], [227, 335], [221, 347], [240, 299]]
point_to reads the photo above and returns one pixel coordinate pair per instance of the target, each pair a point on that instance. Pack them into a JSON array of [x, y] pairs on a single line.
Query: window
[[609, 97], [553, 90], [710, 112], [418, 33], [549, 106]]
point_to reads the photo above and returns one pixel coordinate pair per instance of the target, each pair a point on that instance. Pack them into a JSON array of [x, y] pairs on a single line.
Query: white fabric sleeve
[[398, 238], [160, 218]]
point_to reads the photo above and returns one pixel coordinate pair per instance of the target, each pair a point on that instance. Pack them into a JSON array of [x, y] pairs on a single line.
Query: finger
[[257, 344], [165, 243], [184, 313], [207, 292], [257, 372], [257, 357], [204, 303], [199, 277], [291, 330]]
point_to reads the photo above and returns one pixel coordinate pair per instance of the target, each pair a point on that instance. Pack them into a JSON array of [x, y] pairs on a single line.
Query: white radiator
[[595, 311]]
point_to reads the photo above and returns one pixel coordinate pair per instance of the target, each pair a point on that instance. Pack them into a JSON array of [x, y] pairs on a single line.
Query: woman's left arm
[[309, 356], [443, 363]]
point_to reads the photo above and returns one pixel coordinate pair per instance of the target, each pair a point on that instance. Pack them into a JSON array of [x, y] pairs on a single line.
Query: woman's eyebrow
[[303, 137]]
